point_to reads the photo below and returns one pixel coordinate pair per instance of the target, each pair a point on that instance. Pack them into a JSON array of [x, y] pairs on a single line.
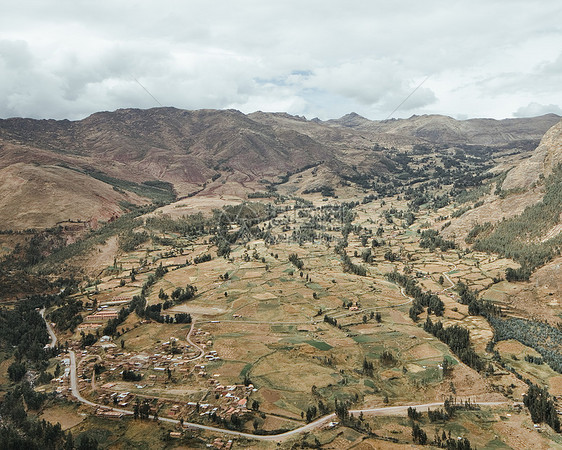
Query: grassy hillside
[[526, 238]]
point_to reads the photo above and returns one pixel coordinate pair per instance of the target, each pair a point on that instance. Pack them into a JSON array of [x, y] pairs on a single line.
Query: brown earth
[[65, 416], [38, 196]]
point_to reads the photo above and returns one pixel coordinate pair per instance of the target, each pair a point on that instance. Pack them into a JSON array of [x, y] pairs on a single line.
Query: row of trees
[[431, 239], [421, 299], [296, 261], [130, 240], [458, 340], [68, 316], [476, 307], [440, 440], [541, 406], [544, 338], [18, 430], [23, 334]]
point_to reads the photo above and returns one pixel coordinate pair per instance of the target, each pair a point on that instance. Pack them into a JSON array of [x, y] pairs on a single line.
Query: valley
[[309, 308]]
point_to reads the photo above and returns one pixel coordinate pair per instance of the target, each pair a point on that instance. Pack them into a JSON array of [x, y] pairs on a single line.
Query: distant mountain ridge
[[436, 128], [209, 151]]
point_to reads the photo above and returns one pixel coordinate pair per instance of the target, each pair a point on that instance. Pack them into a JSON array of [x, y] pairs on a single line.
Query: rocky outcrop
[[546, 156]]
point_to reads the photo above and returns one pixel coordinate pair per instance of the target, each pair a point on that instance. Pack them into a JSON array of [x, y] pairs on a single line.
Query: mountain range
[[55, 171]]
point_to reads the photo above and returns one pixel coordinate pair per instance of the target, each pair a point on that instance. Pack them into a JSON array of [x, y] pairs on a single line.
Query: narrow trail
[[446, 275], [193, 344]]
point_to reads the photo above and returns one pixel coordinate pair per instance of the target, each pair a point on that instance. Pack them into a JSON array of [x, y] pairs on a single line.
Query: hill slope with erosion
[[188, 149], [70, 195], [522, 220]]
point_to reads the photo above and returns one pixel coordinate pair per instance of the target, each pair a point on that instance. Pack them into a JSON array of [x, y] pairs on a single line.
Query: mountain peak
[[350, 120]]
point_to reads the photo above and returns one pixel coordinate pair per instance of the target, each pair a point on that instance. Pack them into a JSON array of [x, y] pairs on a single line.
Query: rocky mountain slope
[[543, 160]]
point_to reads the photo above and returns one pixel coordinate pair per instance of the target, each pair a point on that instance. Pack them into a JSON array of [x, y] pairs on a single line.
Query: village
[[119, 381]]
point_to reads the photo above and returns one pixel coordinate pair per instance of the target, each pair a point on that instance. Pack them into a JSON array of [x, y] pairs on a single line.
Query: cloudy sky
[[472, 58]]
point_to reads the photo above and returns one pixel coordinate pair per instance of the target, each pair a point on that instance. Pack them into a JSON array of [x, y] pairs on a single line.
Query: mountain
[[444, 129], [185, 148], [93, 168], [112, 152], [39, 196]]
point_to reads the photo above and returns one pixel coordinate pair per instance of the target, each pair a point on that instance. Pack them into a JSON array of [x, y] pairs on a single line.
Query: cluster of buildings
[[102, 315], [156, 367], [218, 443], [62, 382], [108, 413]]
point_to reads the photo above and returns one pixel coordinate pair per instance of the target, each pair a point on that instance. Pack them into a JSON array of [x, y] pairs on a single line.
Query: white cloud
[[68, 59], [536, 109]]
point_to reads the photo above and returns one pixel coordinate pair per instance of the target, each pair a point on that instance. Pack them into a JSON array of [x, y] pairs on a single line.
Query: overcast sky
[[473, 58]]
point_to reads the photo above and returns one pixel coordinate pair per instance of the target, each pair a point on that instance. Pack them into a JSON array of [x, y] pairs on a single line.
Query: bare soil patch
[[196, 309], [264, 296], [194, 205], [67, 417], [424, 351], [555, 385], [515, 348]]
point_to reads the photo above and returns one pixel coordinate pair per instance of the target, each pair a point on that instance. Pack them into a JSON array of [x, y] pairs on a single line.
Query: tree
[[418, 434], [87, 443], [368, 368], [342, 411], [413, 414], [88, 339], [296, 261], [16, 371], [162, 295], [129, 375], [541, 407], [310, 413], [144, 410]]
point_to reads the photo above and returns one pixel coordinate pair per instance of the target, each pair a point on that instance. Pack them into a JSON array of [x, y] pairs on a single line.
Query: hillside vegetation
[[525, 238]]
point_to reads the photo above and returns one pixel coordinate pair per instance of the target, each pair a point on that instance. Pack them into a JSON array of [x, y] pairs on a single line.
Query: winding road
[[382, 411], [193, 344], [52, 334]]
